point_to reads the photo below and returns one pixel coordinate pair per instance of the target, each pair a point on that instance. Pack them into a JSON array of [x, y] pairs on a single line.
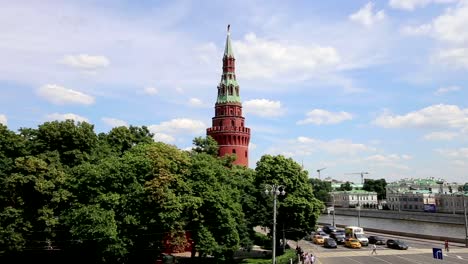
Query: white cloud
[[434, 116], [264, 58], [388, 158], [452, 27], [3, 119], [63, 117], [263, 108], [424, 29], [252, 146], [410, 5], [179, 90], [441, 135], [195, 102], [457, 57], [324, 117], [366, 16], [114, 122], [305, 146], [151, 90], [444, 90], [167, 130], [86, 62], [459, 153], [163, 137], [61, 95]]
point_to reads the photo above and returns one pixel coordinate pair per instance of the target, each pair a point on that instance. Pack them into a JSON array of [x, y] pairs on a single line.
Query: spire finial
[[228, 29]]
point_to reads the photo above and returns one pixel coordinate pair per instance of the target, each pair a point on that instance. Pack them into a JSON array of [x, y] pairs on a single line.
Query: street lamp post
[[275, 191], [333, 209], [466, 220]]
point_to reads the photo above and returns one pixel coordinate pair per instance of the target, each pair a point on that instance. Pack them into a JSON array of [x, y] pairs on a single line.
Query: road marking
[[354, 260], [459, 257], [410, 260], [382, 260]]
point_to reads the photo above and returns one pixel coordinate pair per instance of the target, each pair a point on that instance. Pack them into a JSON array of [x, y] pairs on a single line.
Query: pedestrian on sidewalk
[[312, 259], [446, 246], [374, 249]]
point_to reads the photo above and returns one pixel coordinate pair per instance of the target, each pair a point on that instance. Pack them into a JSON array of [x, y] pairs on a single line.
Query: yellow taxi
[[352, 243], [318, 239]]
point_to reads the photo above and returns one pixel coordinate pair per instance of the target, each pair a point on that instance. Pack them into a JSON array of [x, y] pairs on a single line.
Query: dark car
[[338, 236], [396, 244], [376, 240], [328, 229], [329, 243]]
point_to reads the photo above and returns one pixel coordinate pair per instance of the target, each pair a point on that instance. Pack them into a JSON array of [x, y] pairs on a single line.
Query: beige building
[[410, 200], [451, 203], [353, 198]]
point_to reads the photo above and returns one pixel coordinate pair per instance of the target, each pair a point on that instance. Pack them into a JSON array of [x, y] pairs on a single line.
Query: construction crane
[[362, 175], [319, 170]]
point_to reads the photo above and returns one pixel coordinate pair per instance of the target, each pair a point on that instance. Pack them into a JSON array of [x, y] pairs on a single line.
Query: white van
[[358, 233]]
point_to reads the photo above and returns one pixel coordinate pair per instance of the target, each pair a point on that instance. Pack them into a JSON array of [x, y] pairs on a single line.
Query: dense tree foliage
[[345, 187], [116, 197], [378, 186], [298, 210], [321, 189]]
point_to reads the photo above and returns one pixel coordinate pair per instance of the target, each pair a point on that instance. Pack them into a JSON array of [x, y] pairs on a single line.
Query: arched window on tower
[[246, 153], [221, 123], [237, 91], [242, 124], [234, 151], [233, 123], [230, 90]]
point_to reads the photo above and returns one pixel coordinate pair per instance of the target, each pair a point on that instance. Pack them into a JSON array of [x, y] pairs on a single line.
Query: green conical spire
[[228, 49]]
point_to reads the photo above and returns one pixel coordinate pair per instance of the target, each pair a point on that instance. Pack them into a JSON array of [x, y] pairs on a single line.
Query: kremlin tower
[[228, 123]]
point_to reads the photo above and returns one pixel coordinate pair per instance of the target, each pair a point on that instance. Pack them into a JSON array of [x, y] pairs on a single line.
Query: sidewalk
[[306, 246]]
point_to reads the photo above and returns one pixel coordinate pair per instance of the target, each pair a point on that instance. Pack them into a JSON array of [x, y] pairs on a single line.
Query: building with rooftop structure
[[346, 199]]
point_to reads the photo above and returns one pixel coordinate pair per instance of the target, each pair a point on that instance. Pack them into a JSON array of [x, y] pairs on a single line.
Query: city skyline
[[375, 86]]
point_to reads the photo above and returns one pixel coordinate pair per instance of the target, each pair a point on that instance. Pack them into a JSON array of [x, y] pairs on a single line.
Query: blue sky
[[377, 86]]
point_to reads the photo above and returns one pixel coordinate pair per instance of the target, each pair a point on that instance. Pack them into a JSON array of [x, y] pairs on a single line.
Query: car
[[328, 229], [165, 259], [318, 239], [338, 236], [329, 243], [323, 234], [352, 243], [396, 244], [376, 240]]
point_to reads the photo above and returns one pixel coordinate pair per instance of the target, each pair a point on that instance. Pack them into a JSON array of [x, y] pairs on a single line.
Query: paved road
[[419, 252]]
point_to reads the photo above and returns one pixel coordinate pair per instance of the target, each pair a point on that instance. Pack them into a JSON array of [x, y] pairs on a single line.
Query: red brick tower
[[228, 123]]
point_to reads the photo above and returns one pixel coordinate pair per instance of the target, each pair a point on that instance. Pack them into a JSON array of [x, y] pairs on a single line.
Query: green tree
[[345, 187], [321, 189], [298, 210], [378, 186], [206, 145]]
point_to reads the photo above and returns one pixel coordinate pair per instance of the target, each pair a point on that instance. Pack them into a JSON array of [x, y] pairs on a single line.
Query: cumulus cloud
[[456, 57], [263, 108], [324, 117], [366, 15], [85, 61], [264, 58], [441, 135], [410, 5], [448, 89], [150, 90], [63, 117], [434, 116], [114, 122], [162, 137], [60, 95], [458, 153], [3, 119], [195, 102], [451, 26], [424, 29], [305, 146], [167, 130], [388, 158]]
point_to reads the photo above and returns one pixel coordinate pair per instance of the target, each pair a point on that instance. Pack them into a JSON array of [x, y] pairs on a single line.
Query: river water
[[434, 229]]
